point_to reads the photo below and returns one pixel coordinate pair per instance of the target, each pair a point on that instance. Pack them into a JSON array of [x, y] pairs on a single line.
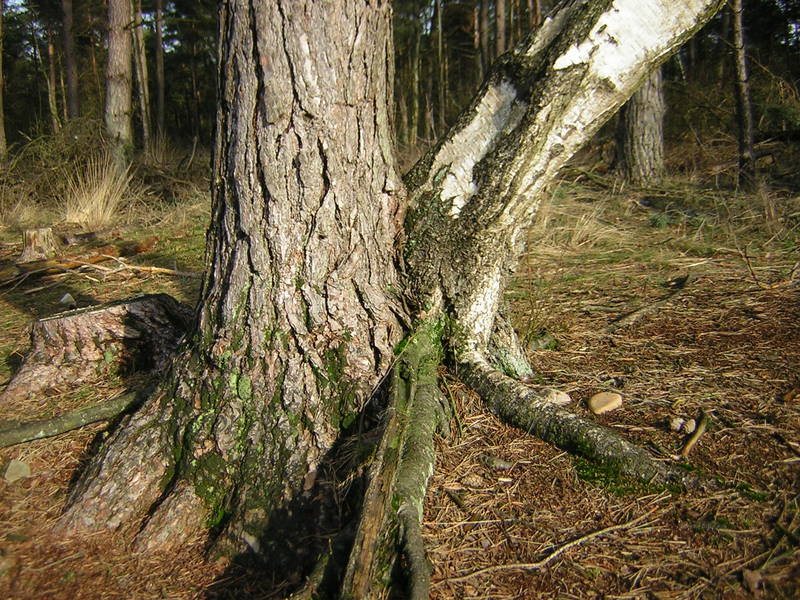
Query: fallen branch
[[631, 318], [553, 555], [701, 428], [36, 430]]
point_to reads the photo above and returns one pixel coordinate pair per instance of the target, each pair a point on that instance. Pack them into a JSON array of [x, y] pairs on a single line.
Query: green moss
[[607, 476]]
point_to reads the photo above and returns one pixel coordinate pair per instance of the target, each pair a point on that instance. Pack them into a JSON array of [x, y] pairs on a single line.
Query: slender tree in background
[[3, 146], [640, 133], [140, 70], [118, 81], [50, 77], [305, 298], [744, 109], [70, 61], [159, 60], [500, 26]]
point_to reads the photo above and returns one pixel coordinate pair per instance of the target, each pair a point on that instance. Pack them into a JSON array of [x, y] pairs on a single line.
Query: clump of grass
[[97, 193]]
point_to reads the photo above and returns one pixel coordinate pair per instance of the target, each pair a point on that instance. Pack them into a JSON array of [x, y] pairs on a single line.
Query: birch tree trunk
[[118, 81], [640, 133], [312, 264]]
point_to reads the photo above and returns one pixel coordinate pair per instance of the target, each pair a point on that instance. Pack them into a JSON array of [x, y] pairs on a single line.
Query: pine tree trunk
[[140, 63], [50, 77], [3, 146], [299, 316], [486, 50], [414, 119], [70, 62], [500, 26], [441, 63], [640, 133], [159, 58], [744, 109], [118, 81]]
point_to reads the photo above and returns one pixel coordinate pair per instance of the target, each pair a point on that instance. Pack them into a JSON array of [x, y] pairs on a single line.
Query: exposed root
[[399, 481], [530, 409], [36, 430]]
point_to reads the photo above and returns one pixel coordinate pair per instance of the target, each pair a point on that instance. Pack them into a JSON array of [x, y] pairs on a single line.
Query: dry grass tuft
[[97, 193]]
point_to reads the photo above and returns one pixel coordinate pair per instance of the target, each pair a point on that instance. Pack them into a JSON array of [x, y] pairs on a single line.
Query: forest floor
[[507, 516]]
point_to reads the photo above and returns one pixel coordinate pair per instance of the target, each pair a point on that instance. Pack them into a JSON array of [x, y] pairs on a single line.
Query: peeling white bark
[[499, 111]]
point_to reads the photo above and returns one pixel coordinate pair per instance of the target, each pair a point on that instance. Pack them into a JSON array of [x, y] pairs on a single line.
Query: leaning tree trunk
[[640, 133], [118, 81], [298, 316]]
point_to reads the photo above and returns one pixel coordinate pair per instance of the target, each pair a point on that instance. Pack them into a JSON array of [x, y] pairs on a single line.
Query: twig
[[701, 428], [553, 555], [161, 270]]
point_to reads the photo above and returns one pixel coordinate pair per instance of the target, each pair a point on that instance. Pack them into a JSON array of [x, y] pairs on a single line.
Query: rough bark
[[298, 315], [744, 109], [640, 133], [70, 61], [118, 81], [80, 345]]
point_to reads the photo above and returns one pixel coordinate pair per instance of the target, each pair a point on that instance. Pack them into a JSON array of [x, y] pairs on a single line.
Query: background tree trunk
[[118, 81], [3, 147], [744, 109], [70, 62], [50, 77], [159, 60], [640, 133], [500, 26], [298, 319], [140, 63]]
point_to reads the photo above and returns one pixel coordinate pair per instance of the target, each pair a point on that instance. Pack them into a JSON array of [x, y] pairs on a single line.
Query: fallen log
[[74, 347]]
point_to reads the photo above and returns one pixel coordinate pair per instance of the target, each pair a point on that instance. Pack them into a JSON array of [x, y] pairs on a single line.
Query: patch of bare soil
[[508, 516]]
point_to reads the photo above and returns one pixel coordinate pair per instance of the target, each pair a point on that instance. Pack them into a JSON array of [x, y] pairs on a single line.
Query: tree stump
[[38, 244], [74, 347]]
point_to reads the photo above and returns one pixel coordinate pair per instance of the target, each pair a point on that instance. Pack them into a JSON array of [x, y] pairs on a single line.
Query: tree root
[[36, 430], [392, 510], [531, 410]]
